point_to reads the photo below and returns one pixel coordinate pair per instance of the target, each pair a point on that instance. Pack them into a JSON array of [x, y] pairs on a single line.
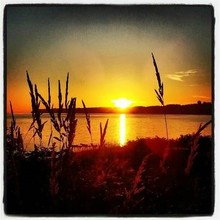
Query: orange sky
[[107, 52]]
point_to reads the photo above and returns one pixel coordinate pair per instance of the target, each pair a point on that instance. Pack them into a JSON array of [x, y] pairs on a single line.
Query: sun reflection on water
[[122, 129]]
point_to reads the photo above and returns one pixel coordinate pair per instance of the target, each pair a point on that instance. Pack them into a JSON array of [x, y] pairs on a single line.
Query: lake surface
[[121, 127]]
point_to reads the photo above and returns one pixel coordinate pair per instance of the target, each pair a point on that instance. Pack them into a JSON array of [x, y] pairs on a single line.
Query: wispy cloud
[[188, 72], [175, 77], [193, 85], [180, 75], [201, 97]]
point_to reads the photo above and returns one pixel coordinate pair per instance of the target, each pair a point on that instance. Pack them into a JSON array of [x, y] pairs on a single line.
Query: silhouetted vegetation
[[113, 180], [160, 92], [205, 108]]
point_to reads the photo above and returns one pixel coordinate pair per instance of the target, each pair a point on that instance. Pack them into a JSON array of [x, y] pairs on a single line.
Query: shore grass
[[112, 181]]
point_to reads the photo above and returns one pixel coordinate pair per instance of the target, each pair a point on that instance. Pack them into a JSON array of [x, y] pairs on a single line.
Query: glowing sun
[[122, 103]]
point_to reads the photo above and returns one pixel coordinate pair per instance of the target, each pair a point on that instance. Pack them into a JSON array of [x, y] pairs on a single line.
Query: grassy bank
[[140, 178]]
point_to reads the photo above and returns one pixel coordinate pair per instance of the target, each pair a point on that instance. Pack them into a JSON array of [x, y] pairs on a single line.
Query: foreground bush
[[132, 180]]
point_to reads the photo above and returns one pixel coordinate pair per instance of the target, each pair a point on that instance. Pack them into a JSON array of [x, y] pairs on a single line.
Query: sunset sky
[[107, 52]]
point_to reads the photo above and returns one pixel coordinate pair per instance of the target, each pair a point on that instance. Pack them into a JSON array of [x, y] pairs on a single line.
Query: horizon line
[[117, 108]]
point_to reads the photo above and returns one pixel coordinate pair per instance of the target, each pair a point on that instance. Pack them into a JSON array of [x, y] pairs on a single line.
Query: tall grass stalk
[[36, 115], [66, 94], [88, 121], [60, 107], [49, 103], [65, 126], [16, 141], [160, 97], [103, 133], [15, 134], [194, 148], [13, 125], [160, 92], [49, 96]]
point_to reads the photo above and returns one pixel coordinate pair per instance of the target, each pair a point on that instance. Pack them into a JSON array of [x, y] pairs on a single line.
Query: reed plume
[[13, 125], [88, 121], [160, 97], [35, 104], [15, 133], [160, 91], [60, 107], [49, 96], [13, 122], [71, 122], [66, 94], [194, 148], [50, 110], [103, 133], [65, 126]]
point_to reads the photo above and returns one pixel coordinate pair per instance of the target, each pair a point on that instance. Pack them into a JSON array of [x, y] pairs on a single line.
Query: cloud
[[178, 76], [187, 73], [175, 77], [193, 85], [201, 97]]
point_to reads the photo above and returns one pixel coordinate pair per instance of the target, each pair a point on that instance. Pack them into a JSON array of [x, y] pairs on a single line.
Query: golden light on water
[[122, 103], [122, 129]]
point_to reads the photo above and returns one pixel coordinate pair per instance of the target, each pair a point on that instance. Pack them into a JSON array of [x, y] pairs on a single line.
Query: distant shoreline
[[189, 109]]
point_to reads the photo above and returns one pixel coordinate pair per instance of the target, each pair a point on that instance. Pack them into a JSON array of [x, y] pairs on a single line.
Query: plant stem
[[165, 117], [91, 139]]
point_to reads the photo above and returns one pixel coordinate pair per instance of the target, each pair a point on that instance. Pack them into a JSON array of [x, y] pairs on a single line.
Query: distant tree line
[[205, 108]]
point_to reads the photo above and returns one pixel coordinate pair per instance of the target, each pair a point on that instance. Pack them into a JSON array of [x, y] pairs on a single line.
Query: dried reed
[[60, 107], [66, 94], [15, 134], [65, 126], [160, 92], [71, 122], [194, 148], [103, 133], [36, 115], [88, 121], [49, 96], [160, 97]]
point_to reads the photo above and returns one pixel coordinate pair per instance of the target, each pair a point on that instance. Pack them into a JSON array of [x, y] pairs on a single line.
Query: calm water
[[121, 127]]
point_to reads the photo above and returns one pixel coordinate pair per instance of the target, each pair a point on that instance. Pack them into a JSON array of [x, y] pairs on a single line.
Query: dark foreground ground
[[144, 178]]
